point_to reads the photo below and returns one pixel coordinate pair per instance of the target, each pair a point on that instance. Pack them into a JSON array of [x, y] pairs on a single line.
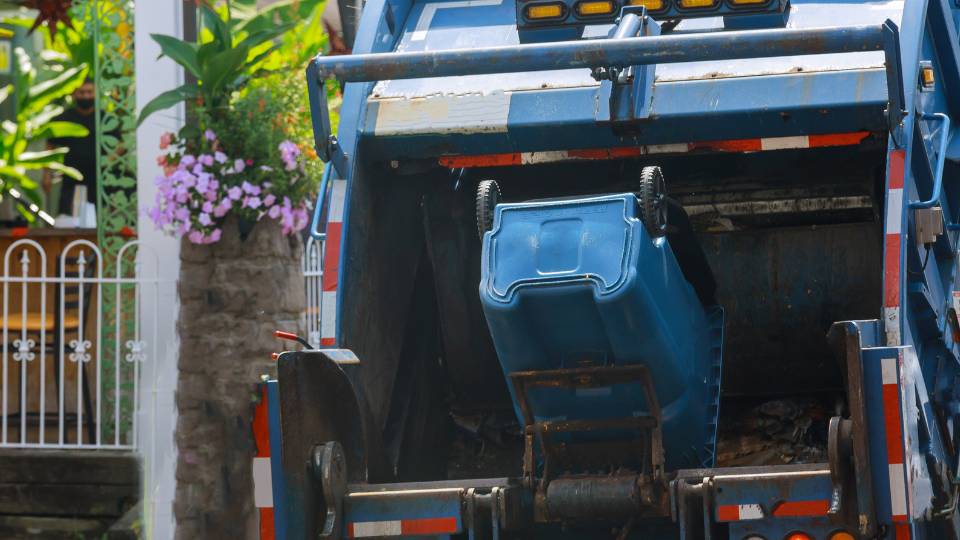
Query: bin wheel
[[652, 194], [488, 197]]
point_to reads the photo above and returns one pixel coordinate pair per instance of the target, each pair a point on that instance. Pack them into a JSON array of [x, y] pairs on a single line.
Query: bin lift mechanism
[[624, 64]]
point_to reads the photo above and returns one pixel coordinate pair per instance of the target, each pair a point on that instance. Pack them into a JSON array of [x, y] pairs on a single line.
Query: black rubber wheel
[[652, 193], [488, 197]]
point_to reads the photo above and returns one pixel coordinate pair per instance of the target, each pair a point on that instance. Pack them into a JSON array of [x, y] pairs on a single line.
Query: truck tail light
[[594, 7], [697, 4], [541, 12], [841, 535], [651, 5], [798, 536]]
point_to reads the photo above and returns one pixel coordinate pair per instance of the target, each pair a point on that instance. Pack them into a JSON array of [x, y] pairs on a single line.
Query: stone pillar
[[233, 295]]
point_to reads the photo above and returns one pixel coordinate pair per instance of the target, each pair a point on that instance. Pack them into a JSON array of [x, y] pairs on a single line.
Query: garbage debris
[[777, 432]]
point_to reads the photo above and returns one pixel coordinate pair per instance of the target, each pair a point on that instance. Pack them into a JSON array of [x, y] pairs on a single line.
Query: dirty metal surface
[[782, 289], [468, 24]]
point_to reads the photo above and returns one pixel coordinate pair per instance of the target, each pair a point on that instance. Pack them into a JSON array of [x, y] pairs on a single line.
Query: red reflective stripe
[[736, 145], [838, 139], [728, 512], [261, 425], [892, 422], [902, 531], [891, 271], [350, 530], [328, 341], [607, 153], [429, 526], [488, 160], [331, 256], [261, 439], [266, 524], [895, 178], [801, 508]]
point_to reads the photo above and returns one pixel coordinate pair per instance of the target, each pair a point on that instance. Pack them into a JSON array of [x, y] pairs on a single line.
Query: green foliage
[[272, 111], [36, 109], [234, 48]]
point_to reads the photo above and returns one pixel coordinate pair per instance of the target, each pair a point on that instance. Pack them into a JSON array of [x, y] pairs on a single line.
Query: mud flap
[[317, 405]]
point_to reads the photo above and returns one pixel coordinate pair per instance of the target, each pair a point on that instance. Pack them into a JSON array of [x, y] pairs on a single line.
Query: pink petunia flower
[[165, 140]]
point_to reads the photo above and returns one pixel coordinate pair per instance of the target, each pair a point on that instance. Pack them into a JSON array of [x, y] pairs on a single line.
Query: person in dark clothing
[[82, 153]]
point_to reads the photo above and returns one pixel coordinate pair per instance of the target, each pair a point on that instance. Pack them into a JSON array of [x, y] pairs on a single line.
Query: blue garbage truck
[[584, 260]]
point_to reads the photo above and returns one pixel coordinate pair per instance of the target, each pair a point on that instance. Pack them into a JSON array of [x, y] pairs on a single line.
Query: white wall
[[157, 412]]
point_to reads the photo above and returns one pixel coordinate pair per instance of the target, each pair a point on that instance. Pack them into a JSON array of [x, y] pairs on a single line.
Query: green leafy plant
[[231, 53], [36, 110]]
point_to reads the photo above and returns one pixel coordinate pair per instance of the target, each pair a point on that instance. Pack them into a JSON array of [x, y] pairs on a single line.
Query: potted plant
[[242, 154]]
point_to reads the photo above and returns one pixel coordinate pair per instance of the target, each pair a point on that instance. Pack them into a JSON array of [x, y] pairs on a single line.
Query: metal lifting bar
[[592, 53]]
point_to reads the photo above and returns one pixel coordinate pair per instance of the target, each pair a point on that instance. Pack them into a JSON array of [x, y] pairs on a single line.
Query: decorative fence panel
[[70, 370], [312, 267]]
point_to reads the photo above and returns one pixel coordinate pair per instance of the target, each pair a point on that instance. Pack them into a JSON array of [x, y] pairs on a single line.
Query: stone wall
[[233, 295]]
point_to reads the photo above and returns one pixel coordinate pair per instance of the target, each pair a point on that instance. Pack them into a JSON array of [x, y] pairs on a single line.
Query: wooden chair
[[52, 321]]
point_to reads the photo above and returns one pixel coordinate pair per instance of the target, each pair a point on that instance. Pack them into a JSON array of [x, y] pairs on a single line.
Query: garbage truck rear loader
[[661, 269]]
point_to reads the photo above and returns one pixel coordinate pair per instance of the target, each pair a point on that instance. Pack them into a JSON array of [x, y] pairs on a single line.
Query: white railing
[[73, 344], [312, 267]]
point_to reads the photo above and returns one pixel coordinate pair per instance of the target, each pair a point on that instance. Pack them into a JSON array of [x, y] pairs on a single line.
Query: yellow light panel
[[651, 5], [595, 7], [748, 2], [545, 11], [689, 4]]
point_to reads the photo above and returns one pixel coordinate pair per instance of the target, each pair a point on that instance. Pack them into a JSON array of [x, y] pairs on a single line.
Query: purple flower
[[207, 207], [269, 200], [274, 212], [252, 202], [182, 214], [187, 160], [220, 157], [235, 193], [198, 168], [203, 183], [196, 237], [250, 188], [215, 235], [288, 154], [206, 159], [239, 166], [204, 219], [210, 135]]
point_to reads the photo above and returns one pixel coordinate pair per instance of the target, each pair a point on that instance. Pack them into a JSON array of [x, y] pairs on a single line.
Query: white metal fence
[[312, 267], [73, 345]]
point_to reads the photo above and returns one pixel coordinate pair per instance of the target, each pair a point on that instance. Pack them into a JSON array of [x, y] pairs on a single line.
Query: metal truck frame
[[892, 470]]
